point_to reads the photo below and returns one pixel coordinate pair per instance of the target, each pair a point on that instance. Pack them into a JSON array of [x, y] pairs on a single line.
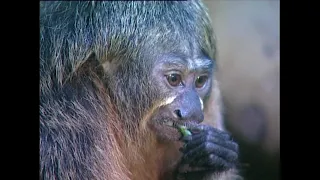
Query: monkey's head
[[185, 80], [163, 73]]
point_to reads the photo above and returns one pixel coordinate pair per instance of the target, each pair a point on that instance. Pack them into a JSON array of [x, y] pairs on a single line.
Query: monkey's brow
[[199, 64], [174, 62], [191, 64]]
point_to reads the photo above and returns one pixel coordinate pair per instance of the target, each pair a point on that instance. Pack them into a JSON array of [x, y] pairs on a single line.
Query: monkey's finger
[[213, 162], [186, 138], [225, 156], [210, 131], [211, 139], [186, 168], [206, 149]]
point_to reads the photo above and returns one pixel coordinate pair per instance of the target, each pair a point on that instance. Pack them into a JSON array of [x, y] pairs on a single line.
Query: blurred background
[[247, 33]]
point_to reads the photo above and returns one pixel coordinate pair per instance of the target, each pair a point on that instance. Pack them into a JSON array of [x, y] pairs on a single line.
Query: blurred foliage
[[248, 43]]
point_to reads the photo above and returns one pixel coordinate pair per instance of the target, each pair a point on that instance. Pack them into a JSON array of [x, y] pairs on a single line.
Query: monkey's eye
[[201, 81], [174, 79]]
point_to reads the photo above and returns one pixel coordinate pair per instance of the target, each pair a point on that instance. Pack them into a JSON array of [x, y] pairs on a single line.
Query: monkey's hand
[[207, 150]]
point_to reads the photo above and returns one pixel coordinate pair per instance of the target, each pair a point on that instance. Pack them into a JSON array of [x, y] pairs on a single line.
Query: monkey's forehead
[[191, 61], [173, 24], [114, 28]]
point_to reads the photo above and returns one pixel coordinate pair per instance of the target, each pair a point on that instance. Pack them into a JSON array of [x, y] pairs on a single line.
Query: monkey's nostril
[[178, 113]]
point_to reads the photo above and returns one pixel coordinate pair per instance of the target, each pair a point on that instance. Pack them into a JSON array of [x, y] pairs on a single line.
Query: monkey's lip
[[175, 124]]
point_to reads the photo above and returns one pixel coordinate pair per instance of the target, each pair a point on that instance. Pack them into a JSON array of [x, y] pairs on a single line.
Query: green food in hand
[[184, 131]]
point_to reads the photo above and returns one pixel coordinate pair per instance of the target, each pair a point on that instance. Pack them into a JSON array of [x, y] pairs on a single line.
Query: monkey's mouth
[[176, 124], [170, 129]]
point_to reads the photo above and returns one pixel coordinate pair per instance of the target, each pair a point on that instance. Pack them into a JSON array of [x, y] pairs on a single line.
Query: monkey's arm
[[207, 153]]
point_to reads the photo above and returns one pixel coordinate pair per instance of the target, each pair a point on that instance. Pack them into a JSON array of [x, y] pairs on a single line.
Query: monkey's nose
[[187, 114], [187, 107]]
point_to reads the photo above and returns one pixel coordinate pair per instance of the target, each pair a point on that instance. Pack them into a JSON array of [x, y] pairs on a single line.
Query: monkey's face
[[184, 83]]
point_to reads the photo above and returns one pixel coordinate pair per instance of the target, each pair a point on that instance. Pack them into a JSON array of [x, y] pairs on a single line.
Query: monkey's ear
[[91, 64]]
